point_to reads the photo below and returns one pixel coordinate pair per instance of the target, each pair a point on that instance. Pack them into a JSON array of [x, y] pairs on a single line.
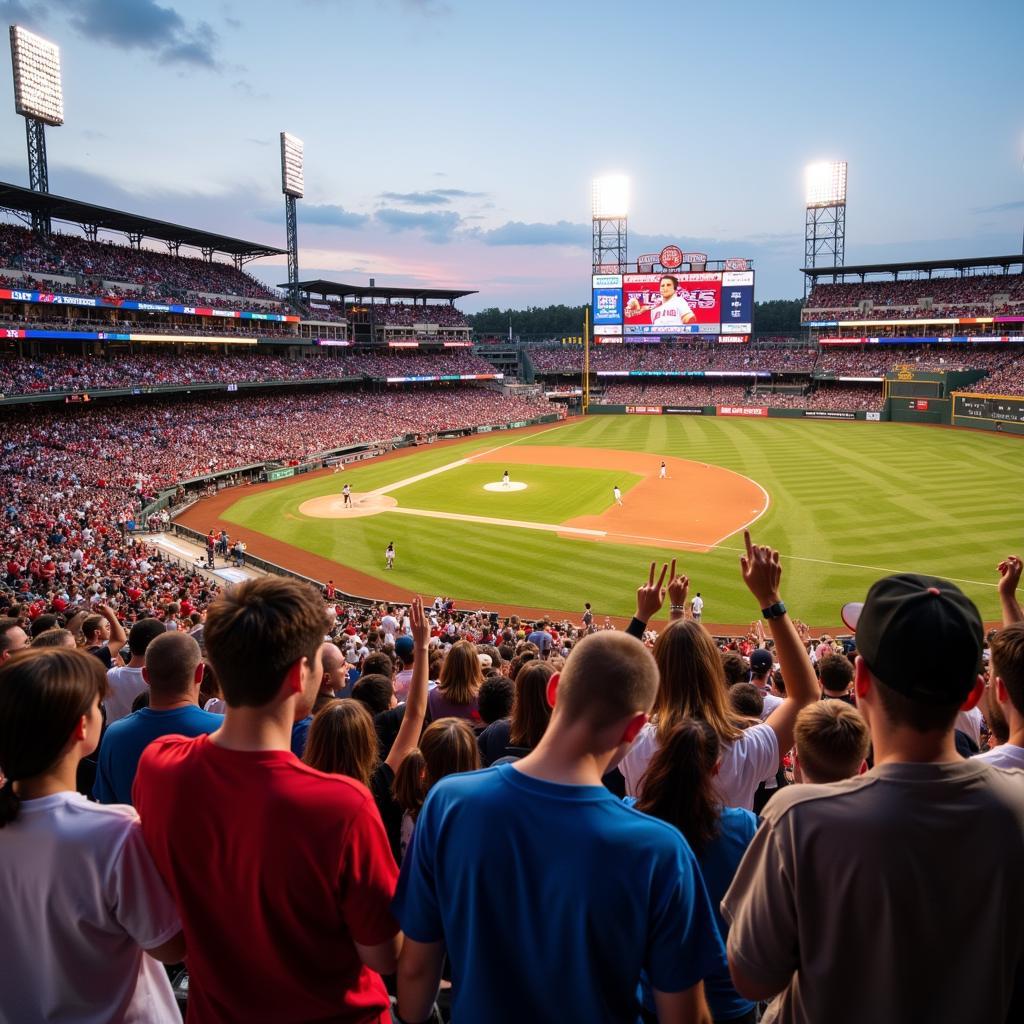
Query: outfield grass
[[849, 502]]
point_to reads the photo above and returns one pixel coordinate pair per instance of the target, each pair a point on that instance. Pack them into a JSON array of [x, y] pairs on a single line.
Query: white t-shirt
[[1008, 755], [390, 626], [771, 702], [969, 722], [746, 763], [671, 312], [697, 605], [125, 684], [81, 900]]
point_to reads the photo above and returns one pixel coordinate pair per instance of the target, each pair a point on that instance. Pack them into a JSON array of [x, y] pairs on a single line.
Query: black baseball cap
[[920, 635], [761, 660]]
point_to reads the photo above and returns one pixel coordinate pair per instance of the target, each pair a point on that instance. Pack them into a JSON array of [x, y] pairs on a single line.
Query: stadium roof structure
[[343, 291], [988, 263], [89, 215]]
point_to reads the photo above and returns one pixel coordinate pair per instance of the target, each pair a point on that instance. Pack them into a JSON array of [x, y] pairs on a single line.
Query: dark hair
[[343, 741], [378, 664], [375, 691], [42, 623], [835, 673], [142, 634], [531, 711], [734, 668], [669, 277], [447, 746], [914, 714], [678, 786], [91, 625], [257, 631], [495, 698], [746, 699], [43, 695]]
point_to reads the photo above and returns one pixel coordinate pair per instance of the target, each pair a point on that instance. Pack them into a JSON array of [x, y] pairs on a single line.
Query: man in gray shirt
[[895, 895]]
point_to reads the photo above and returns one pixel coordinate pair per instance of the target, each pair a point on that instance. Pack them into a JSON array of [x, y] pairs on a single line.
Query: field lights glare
[[826, 183], [37, 88], [611, 196], [292, 175]]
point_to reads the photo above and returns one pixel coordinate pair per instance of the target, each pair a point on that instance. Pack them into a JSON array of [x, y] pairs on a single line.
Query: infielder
[[663, 472], [617, 494], [346, 493]]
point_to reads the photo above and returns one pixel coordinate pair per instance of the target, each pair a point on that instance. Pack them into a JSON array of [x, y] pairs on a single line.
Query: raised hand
[[761, 571], [678, 588], [1009, 577], [650, 596], [418, 623]]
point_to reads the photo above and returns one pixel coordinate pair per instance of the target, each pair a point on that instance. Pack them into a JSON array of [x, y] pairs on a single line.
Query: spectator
[[516, 736], [127, 682], [816, 880], [693, 684], [55, 638], [835, 672], [832, 742], [101, 631], [335, 681], [1006, 691], [174, 673], [447, 746], [496, 695], [342, 739], [299, 927], [679, 788], [577, 892], [459, 686], [82, 900]]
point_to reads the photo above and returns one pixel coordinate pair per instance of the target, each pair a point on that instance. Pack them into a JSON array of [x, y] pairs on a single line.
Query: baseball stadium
[[338, 544]]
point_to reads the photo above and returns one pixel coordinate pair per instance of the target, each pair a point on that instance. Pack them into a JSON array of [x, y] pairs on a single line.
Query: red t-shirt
[[277, 870]]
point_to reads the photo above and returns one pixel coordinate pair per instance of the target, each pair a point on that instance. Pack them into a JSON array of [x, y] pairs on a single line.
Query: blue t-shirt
[[300, 733], [718, 863], [125, 740], [551, 899], [541, 639]]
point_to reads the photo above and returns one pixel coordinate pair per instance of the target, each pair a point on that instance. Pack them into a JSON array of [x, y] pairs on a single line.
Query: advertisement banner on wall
[[828, 414], [742, 410], [607, 306], [643, 410], [874, 417], [682, 410]]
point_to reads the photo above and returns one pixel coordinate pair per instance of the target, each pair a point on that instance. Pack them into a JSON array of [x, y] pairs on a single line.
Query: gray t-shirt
[[893, 896]]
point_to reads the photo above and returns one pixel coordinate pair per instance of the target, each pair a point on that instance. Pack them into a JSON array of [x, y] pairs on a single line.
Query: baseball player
[[663, 471], [389, 555], [671, 311], [617, 494], [504, 479], [346, 493]]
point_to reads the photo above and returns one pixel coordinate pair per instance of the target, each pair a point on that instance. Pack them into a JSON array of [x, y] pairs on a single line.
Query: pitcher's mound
[[512, 485], [332, 506]]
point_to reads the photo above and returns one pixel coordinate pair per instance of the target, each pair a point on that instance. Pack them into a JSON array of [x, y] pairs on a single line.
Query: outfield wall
[[743, 411]]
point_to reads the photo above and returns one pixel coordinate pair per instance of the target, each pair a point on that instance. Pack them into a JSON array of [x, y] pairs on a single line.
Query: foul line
[[451, 465]]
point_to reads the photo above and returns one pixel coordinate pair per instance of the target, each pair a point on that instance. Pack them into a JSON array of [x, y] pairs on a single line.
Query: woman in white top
[[693, 685], [82, 899]]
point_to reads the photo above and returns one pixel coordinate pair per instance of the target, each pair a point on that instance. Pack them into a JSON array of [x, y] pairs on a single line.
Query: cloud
[[432, 197], [1016, 204], [258, 142], [516, 232], [437, 227], [144, 25], [327, 215], [14, 12]]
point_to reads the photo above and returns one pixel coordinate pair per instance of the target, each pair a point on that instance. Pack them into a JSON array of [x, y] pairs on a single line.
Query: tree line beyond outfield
[[778, 316]]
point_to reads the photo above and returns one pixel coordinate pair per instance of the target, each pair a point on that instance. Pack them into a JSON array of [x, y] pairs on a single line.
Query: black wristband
[[774, 611]]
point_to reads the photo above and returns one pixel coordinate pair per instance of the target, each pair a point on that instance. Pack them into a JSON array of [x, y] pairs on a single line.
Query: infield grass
[[849, 502]]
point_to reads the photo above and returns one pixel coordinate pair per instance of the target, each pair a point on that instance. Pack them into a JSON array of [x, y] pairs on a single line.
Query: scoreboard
[[996, 408]]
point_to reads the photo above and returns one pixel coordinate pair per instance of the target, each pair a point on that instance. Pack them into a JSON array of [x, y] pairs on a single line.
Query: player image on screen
[[672, 310]]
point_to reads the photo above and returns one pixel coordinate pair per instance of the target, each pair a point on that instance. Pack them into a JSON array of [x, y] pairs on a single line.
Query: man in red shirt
[[282, 874]]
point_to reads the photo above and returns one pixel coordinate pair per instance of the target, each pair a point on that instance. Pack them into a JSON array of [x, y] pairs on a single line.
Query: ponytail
[[410, 786], [678, 786]]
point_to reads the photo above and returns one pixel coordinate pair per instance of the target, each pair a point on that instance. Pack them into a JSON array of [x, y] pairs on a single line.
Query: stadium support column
[[292, 231], [38, 173], [586, 358]]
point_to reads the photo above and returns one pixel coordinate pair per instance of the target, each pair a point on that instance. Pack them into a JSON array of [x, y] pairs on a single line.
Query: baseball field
[[845, 503]]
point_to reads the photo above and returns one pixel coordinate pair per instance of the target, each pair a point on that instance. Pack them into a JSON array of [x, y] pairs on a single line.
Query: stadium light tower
[[610, 205], [38, 98], [293, 185], [825, 215]]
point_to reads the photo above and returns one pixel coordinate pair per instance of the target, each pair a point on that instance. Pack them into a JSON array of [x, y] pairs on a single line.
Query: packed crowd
[[899, 300], [876, 360], [400, 314], [660, 357], [92, 373], [519, 821], [671, 394], [128, 322], [1007, 379], [845, 397], [157, 273]]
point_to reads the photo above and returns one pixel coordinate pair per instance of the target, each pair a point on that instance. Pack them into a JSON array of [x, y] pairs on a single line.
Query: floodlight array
[[611, 196], [37, 87], [826, 183], [292, 174]]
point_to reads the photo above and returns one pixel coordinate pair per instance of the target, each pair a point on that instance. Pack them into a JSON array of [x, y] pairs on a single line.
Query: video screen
[[672, 303]]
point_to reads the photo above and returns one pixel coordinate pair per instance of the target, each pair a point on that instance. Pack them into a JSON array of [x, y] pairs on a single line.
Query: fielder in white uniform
[[617, 494], [663, 472]]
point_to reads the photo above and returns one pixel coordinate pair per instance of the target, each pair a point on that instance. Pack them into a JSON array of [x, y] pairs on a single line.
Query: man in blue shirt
[[541, 639], [174, 671], [549, 894]]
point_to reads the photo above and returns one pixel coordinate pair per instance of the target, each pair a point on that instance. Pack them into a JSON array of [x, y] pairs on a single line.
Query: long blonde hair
[[461, 675], [692, 682]]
